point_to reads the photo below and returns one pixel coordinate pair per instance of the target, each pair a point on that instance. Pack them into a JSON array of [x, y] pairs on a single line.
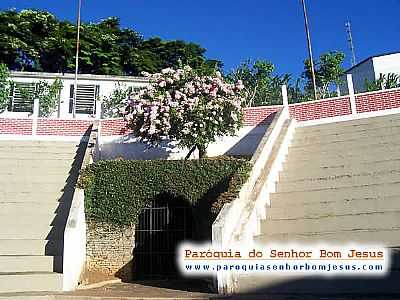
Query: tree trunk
[[190, 152], [202, 151]]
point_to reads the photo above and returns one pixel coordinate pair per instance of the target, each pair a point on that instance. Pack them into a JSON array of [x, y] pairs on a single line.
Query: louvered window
[[19, 102], [85, 99]]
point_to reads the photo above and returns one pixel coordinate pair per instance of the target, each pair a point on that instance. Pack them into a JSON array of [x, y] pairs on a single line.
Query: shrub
[[117, 191], [186, 107]]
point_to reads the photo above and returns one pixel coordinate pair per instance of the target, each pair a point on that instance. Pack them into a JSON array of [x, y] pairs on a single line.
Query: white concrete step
[[31, 247], [29, 197], [30, 282], [32, 186], [387, 237], [351, 125], [353, 192], [333, 208], [338, 182], [22, 263], [33, 232], [37, 155], [360, 151], [319, 287], [43, 218], [373, 221], [34, 208], [29, 179], [339, 164], [356, 134], [352, 158], [32, 164], [339, 170], [346, 141]]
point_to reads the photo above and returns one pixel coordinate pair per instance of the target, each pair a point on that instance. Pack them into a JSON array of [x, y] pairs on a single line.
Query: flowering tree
[[186, 107]]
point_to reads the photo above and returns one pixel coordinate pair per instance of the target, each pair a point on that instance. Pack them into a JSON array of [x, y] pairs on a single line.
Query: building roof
[[371, 57], [44, 75]]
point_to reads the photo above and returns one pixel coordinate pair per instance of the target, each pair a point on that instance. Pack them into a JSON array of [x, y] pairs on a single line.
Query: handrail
[[74, 257], [238, 220]]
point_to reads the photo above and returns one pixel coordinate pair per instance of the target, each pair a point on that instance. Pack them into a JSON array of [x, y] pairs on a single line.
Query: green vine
[[48, 95], [5, 87]]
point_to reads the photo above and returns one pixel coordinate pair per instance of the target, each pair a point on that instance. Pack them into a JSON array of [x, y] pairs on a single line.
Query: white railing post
[[285, 100], [35, 115], [351, 94], [98, 109]]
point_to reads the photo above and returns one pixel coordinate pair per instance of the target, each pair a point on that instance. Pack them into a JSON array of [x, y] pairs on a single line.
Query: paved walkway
[[170, 290]]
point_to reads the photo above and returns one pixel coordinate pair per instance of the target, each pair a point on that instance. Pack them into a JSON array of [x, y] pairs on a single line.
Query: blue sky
[[235, 30]]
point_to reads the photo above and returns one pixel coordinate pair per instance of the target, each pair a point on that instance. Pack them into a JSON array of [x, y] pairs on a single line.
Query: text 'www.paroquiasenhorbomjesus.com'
[[325, 260]]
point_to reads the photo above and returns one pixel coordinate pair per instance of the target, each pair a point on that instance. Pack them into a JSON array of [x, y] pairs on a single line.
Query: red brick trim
[[16, 126], [59, 127], [320, 109], [378, 101]]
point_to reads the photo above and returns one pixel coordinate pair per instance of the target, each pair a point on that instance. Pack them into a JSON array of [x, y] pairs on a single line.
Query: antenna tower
[[350, 40]]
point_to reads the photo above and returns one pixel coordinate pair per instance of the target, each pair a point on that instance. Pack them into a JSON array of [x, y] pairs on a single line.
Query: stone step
[[30, 282], [43, 218], [32, 164], [360, 151], [339, 170], [356, 134], [23, 178], [346, 141], [339, 164], [388, 237], [373, 191], [32, 232], [33, 186], [31, 247], [333, 159], [39, 144], [318, 287], [29, 197], [37, 155], [345, 175], [334, 208], [344, 126], [25, 263], [338, 182], [36, 209], [373, 221]]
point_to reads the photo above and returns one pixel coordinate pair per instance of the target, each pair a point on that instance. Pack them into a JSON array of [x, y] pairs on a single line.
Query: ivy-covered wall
[[116, 191]]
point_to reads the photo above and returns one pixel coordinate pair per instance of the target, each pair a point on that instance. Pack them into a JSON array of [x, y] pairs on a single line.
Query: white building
[[371, 69], [90, 89]]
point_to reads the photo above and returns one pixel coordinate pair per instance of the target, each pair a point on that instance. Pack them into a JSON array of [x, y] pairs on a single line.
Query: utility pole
[[309, 48], [351, 45], [78, 25]]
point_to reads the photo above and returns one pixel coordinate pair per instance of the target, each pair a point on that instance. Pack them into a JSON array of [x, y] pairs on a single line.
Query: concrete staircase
[[340, 183], [37, 180]]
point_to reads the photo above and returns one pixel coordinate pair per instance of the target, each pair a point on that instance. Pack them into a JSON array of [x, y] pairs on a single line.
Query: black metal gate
[[164, 223]]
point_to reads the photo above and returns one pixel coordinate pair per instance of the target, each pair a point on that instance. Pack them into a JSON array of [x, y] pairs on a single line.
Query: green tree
[[328, 71], [261, 85], [33, 40]]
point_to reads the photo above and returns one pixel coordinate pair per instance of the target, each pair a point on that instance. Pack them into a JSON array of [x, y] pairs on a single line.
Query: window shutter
[[85, 99]]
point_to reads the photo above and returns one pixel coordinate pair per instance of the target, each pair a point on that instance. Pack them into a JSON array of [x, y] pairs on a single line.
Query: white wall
[[387, 64], [371, 69], [244, 143], [360, 72], [107, 85]]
